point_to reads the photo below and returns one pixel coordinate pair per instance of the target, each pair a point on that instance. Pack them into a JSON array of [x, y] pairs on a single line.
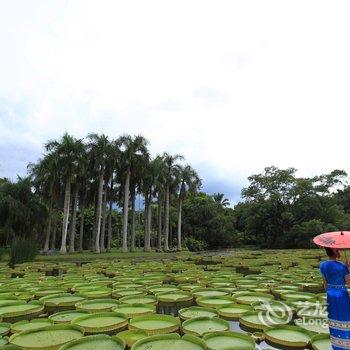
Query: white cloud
[[233, 85]]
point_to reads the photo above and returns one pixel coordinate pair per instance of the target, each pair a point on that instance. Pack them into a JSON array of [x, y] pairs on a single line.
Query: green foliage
[[22, 250], [281, 210], [21, 212], [195, 245], [208, 221]]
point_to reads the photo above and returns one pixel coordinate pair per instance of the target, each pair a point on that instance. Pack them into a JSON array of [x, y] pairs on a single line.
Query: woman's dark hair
[[329, 252]]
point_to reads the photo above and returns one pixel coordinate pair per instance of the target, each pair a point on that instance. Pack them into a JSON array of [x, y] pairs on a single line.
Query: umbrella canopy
[[337, 239]]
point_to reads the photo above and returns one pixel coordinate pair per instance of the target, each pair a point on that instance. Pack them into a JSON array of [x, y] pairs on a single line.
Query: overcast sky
[[234, 86]]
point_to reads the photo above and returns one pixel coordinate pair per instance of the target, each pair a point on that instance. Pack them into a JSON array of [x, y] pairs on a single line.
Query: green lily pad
[[146, 299], [4, 328], [286, 335], [258, 320], [200, 325], [100, 342], [169, 341], [97, 305], [155, 324], [61, 300], [210, 292], [214, 301], [20, 309], [66, 316], [228, 340], [234, 311], [321, 342], [132, 310], [103, 322], [250, 298], [132, 336], [48, 338], [26, 325], [197, 311], [174, 297]]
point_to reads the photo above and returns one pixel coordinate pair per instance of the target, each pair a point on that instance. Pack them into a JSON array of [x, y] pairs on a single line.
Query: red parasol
[[336, 240]]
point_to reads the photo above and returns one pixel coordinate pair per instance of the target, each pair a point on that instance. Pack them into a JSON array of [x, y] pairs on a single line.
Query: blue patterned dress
[[338, 303]]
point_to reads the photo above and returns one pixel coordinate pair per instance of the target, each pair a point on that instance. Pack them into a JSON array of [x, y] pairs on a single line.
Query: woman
[[336, 276]]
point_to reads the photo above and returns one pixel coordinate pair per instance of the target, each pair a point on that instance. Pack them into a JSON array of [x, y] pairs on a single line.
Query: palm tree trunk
[[159, 224], [179, 221], [126, 211], [99, 212], [94, 228], [74, 220], [49, 222], [145, 223], [132, 214], [109, 237], [166, 224], [63, 249], [81, 231], [149, 227], [103, 226]]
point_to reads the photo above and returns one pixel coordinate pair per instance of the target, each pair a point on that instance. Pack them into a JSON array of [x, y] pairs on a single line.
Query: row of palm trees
[[109, 174]]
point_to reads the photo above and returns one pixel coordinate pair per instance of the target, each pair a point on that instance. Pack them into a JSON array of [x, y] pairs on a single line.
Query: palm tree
[[69, 150], [45, 175], [159, 192], [99, 148], [132, 149], [171, 169], [220, 199], [149, 180], [189, 181]]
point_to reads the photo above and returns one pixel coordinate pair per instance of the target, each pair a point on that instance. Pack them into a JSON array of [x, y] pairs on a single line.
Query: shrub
[[195, 245], [22, 250]]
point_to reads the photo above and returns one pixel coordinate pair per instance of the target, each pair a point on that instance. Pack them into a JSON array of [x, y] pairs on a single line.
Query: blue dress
[[338, 303]]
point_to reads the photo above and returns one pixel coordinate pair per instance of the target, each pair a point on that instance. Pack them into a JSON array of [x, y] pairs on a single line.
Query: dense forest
[[96, 193]]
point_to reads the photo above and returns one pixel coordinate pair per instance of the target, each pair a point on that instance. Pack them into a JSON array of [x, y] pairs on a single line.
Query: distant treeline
[[68, 202]]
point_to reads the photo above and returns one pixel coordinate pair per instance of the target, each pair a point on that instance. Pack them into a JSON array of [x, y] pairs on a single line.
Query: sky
[[234, 86]]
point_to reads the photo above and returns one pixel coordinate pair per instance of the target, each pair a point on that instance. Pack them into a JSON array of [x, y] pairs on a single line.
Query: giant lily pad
[[210, 292], [132, 336], [286, 335], [19, 310], [48, 338], [143, 299], [170, 341], [26, 325], [228, 340], [197, 311], [200, 325], [98, 342], [4, 328], [321, 342], [66, 316], [155, 324], [258, 320], [234, 311], [174, 297], [214, 301], [97, 305], [132, 310], [104, 322], [61, 300], [249, 298]]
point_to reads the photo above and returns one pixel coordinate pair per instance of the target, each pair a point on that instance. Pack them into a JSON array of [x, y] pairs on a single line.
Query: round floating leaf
[[200, 325], [98, 342]]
